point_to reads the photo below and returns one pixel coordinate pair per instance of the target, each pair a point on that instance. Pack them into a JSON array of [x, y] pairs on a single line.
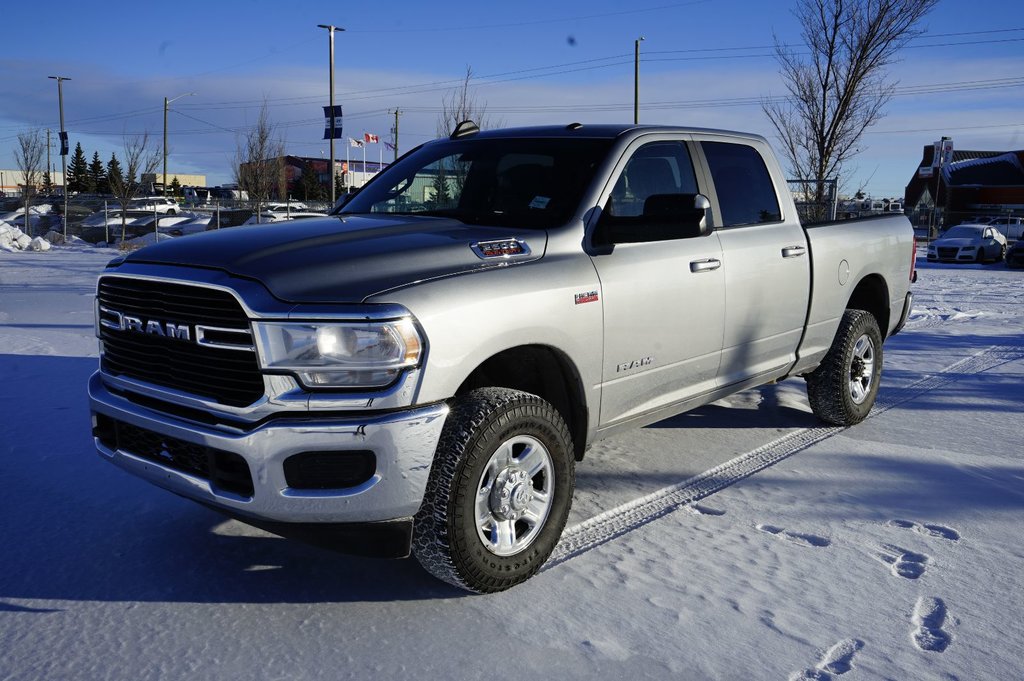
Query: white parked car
[[190, 225], [163, 221], [282, 207], [160, 204], [968, 243], [1012, 228], [271, 216]]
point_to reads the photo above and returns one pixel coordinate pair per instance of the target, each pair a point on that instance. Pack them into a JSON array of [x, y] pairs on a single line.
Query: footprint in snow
[[699, 509], [927, 529], [930, 615], [901, 562], [795, 537], [836, 661]]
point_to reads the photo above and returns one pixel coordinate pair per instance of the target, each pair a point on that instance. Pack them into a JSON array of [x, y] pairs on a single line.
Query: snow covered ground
[[740, 541]]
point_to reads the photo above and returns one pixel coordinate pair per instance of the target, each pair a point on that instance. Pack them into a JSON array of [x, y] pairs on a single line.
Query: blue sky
[[703, 62]]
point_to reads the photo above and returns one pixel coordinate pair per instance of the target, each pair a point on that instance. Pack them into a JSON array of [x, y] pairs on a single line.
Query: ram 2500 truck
[[419, 372]]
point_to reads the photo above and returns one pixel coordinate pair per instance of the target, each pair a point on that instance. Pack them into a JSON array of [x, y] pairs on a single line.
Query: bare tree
[[137, 162], [460, 104], [838, 85], [457, 105], [28, 156], [259, 162]]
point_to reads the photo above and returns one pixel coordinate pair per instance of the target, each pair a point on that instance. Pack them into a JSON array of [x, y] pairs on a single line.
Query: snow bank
[[13, 239]]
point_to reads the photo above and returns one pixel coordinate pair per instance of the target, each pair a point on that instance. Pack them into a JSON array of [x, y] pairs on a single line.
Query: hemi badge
[[588, 297], [504, 248]]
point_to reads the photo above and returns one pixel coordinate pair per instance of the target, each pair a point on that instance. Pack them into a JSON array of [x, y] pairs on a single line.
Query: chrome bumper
[[403, 442]]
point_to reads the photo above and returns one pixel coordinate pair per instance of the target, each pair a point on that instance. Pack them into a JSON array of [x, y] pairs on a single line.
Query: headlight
[[340, 354]]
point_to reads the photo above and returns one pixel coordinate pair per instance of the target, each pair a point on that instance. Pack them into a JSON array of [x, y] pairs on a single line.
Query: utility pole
[[63, 152], [397, 114], [330, 33], [636, 80], [166, 103]]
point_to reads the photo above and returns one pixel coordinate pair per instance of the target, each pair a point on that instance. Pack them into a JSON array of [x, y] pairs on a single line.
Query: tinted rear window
[[745, 191]]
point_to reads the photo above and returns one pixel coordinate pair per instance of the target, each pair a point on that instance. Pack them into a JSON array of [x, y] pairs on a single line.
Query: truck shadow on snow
[[77, 528]]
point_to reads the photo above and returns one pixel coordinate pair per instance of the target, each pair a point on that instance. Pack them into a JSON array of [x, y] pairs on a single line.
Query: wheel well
[[872, 295], [542, 371]]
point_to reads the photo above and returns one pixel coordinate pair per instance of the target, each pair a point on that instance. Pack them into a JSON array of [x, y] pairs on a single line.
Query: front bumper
[[403, 443]]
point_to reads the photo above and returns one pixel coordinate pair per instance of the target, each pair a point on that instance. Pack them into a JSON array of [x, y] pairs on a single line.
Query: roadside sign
[[335, 116]]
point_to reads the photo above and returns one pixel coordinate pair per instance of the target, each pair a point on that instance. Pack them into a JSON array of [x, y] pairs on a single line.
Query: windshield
[[963, 232], [527, 183]]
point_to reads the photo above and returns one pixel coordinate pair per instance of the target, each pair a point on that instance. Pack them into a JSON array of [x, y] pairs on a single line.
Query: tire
[[843, 388], [498, 493], [981, 256]]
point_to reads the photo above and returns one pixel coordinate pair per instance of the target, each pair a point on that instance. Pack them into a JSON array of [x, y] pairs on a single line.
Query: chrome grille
[[229, 376]]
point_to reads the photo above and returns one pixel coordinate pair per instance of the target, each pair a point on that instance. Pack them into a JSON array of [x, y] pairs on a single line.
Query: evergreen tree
[[114, 172], [78, 171], [175, 187], [442, 191], [47, 183], [310, 185], [97, 175]]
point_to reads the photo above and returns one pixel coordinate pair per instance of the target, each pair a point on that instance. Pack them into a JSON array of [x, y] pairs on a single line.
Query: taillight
[[913, 261]]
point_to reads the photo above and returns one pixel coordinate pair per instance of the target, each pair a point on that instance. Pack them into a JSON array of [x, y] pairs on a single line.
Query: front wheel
[[843, 388], [499, 491]]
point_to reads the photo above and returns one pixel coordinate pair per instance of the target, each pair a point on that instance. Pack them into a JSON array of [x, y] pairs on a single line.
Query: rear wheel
[[843, 388], [499, 491]]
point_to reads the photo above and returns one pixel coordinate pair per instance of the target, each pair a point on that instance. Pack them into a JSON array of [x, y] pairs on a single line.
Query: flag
[[390, 146], [335, 116], [63, 143], [352, 142], [370, 139]]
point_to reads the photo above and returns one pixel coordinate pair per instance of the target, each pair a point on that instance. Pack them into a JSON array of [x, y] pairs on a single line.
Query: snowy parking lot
[[744, 540]]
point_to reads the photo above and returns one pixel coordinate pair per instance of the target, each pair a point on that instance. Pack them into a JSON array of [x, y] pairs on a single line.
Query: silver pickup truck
[[420, 371]]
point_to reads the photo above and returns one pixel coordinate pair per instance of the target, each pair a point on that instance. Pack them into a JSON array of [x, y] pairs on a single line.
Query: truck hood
[[339, 259]]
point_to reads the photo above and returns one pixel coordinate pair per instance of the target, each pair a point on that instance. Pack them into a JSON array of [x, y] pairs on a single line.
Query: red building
[[974, 184]]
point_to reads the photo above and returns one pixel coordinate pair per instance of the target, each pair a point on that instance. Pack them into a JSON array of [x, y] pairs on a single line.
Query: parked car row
[[977, 243], [968, 243], [141, 219], [1011, 227]]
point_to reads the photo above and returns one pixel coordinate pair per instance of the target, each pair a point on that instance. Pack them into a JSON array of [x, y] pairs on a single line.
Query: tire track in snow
[[618, 521]]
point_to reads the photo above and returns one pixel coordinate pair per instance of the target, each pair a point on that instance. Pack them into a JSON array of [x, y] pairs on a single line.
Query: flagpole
[[348, 148], [364, 164]]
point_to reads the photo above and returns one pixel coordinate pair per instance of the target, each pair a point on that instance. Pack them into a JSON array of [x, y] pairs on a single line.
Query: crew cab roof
[[600, 131]]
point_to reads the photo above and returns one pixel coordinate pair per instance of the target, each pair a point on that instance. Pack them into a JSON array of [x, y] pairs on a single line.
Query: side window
[[653, 198], [745, 191], [657, 168]]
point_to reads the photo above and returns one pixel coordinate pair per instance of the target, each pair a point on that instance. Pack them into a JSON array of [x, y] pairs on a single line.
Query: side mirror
[[665, 217], [688, 212]]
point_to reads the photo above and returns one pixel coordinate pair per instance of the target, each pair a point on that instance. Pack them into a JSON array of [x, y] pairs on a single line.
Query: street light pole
[[636, 80], [167, 102], [330, 33], [63, 152]]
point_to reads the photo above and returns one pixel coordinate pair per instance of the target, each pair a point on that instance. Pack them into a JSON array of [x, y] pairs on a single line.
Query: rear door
[[766, 262]]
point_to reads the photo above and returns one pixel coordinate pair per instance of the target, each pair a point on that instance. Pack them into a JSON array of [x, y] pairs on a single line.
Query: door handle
[[793, 251], [705, 265]]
